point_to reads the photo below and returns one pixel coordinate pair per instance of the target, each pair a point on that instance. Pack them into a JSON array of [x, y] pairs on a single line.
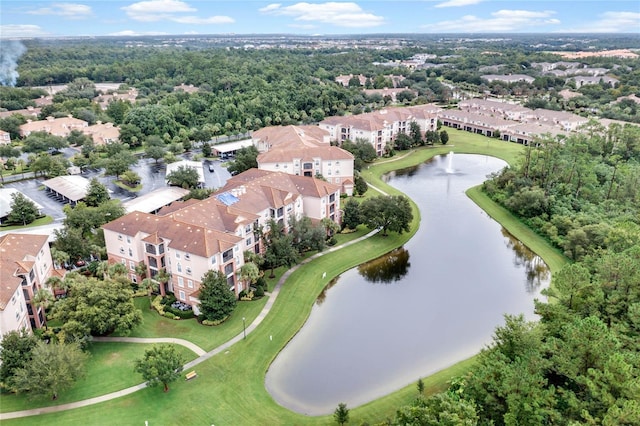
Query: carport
[[67, 189], [155, 200]]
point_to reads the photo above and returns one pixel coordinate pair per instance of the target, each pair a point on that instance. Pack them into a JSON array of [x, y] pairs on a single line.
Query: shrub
[[259, 291], [177, 312], [168, 299], [170, 315], [247, 296], [242, 294], [216, 322], [157, 305]]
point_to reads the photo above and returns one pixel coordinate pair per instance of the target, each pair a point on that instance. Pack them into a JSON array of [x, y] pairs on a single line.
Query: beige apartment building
[[25, 265], [189, 238], [304, 151]]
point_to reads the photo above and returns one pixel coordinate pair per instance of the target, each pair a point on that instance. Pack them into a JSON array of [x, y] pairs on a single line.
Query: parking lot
[[152, 177]]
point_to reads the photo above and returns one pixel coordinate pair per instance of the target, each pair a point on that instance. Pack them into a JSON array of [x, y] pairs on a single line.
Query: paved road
[[205, 356]]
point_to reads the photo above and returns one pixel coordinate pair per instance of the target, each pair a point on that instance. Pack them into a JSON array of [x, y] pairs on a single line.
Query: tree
[[150, 285], [403, 142], [119, 163], [444, 137], [42, 299], [129, 178], [206, 150], [154, 151], [23, 210], [184, 177], [103, 307], [390, 213], [341, 415], [53, 368], [416, 133], [97, 193], [15, 353], [161, 364], [245, 159], [362, 150], [249, 273], [351, 215], [43, 141], [217, 301], [360, 185]]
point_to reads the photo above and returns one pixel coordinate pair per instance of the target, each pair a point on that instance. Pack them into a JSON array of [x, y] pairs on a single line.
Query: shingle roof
[[17, 254]]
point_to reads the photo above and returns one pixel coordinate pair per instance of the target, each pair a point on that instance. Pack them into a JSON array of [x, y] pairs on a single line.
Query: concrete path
[[203, 356]]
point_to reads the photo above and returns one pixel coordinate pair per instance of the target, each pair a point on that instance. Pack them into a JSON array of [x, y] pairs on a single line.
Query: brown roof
[[302, 152], [17, 254], [198, 240], [276, 136]]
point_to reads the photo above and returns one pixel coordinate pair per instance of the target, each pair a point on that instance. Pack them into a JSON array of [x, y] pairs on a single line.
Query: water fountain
[[450, 168]]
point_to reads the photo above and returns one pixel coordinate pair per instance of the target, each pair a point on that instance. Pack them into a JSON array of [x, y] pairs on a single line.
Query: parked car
[[211, 168]]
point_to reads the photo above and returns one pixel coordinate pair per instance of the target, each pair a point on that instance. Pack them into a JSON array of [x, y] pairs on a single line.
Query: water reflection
[[536, 271], [323, 294], [386, 269]]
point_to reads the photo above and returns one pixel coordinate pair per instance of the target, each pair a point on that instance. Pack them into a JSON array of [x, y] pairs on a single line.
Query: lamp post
[[244, 328]]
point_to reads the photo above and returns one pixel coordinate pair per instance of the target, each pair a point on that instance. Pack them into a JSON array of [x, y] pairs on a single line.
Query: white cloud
[[457, 3], [501, 21], [21, 31], [128, 33], [334, 13], [611, 22], [67, 10], [202, 21], [170, 10]]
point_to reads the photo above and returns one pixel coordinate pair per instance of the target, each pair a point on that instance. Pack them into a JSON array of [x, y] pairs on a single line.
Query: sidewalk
[[203, 355]]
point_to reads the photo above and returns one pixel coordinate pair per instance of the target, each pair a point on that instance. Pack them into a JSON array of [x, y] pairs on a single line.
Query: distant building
[[102, 133], [55, 126], [510, 78], [5, 138]]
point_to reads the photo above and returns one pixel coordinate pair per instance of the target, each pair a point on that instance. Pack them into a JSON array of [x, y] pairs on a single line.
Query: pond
[[420, 308]]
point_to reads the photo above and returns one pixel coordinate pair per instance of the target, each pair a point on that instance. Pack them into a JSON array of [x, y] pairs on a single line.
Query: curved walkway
[[203, 356], [195, 348]]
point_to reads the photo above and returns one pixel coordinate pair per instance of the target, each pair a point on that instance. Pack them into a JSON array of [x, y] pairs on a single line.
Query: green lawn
[[230, 388], [38, 222], [154, 325], [109, 369]]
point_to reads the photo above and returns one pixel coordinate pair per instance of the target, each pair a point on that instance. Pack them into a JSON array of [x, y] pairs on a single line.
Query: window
[[177, 255], [180, 282], [128, 239], [332, 198], [130, 253], [13, 299], [248, 242], [187, 256], [228, 269], [134, 279], [124, 262], [181, 294], [190, 283], [132, 265], [227, 255], [121, 250], [150, 248], [188, 271], [119, 237], [213, 260], [179, 267]]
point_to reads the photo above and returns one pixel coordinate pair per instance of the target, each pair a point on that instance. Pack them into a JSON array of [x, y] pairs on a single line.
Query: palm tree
[[42, 299], [150, 285], [163, 278]]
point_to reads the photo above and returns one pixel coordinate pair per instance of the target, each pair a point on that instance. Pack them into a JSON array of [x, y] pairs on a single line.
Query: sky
[[177, 17]]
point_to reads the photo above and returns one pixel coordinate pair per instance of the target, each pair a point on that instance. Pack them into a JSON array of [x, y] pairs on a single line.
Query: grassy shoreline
[[230, 386]]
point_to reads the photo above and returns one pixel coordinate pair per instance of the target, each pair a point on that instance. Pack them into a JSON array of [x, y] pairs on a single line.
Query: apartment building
[[189, 238], [304, 151], [25, 265], [55, 126], [381, 127]]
